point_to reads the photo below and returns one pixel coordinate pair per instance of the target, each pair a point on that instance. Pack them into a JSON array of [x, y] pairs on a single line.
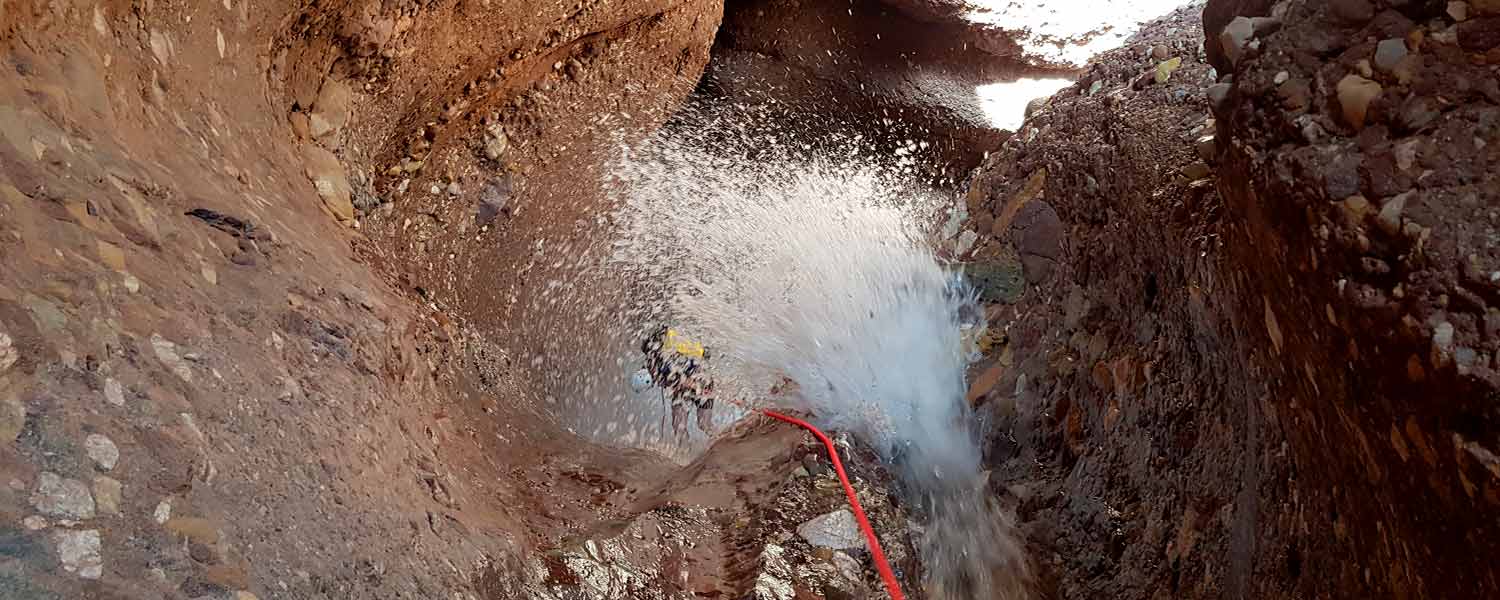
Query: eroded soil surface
[[267, 280]]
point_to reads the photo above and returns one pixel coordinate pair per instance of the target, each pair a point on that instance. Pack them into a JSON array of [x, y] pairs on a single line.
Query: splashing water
[[814, 264]]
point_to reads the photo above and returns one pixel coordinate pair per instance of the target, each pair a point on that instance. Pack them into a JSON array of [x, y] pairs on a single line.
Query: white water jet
[[814, 264]]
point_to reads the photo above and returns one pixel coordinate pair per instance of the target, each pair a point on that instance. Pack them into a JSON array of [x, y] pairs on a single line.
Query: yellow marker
[[683, 346]]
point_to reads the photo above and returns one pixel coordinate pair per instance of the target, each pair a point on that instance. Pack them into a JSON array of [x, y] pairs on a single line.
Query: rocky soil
[[1249, 356], [267, 276], [238, 352]]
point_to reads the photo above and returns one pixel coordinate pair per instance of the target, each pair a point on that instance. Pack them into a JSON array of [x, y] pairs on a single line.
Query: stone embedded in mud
[[301, 125], [1389, 217], [495, 141], [8, 353], [1389, 53], [1207, 147], [1196, 171], [331, 108], [59, 497], [102, 450], [107, 493], [493, 198], [1039, 235], [1355, 94], [837, 530], [79, 552], [166, 352], [328, 177], [997, 280], [12, 416], [1458, 10]]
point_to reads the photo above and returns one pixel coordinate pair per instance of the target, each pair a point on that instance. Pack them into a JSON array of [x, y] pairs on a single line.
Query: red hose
[[891, 585]]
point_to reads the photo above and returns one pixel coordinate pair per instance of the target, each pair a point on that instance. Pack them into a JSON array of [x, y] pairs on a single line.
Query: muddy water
[[808, 261]]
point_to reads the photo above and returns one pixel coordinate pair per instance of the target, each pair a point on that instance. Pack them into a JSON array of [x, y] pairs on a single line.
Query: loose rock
[[163, 511], [59, 497], [102, 450], [1390, 214], [166, 352], [1389, 53], [113, 392], [495, 141], [8, 353], [837, 530], [1165, 69], [328, 178], [1355, 94], [493, 198], [79, 552], [331, 108], [1458, 11]]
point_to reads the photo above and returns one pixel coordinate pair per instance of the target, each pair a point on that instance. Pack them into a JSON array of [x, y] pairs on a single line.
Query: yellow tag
[[683, 346]]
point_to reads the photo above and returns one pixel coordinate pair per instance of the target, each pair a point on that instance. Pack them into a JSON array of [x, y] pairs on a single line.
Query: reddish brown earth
[[246, 350], [1259, 366]]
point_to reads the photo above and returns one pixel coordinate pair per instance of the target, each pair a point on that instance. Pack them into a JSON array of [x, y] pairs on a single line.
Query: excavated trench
[[315, 300]]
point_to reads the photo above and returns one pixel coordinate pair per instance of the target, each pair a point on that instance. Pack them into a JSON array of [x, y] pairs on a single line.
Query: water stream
[[814, 262]]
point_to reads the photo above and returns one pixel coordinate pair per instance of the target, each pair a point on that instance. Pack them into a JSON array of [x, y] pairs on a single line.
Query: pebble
[[60, 497], [1389, 218], [493, 198], [114, 393], [8, 353], [1442, 336], [163, 511], [166, 352], [1160, 52], [35, 523], [1458, 11], [1389, 53], [107, 491], [454, 189], [1281, 77], [102, 450], [1165, 69], [1196, 171], [1355, 94], [1207, 147], [495, 142], [837, 530], [132, 284]]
